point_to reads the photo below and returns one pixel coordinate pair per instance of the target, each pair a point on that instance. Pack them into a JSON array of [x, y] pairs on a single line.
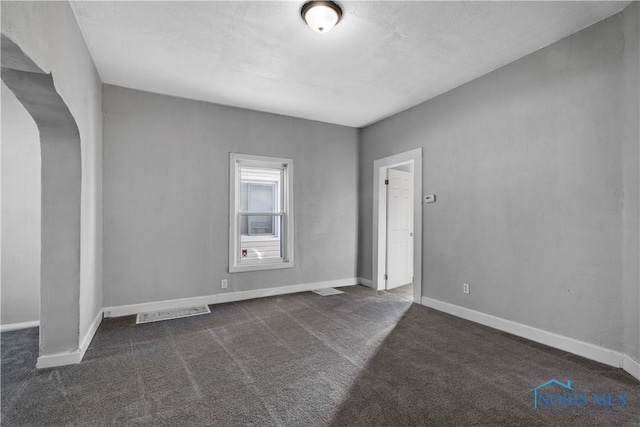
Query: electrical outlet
[[465, 288], [223, 283]]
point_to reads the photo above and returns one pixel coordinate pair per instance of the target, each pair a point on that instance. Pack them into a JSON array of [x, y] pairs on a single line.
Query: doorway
[[60, 200], [397, 224]]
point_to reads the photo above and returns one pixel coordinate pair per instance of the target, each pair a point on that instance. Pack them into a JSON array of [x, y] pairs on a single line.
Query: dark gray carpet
[[360, 358]]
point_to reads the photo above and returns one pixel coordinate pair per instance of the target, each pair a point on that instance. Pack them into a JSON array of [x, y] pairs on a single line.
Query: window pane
[[260, 190], [261, 225], [261, 244], [262, 197], [258, 197], [259, 193], [244, 207]]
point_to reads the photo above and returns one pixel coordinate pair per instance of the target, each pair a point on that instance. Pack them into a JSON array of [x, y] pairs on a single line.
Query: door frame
[[379, 240]]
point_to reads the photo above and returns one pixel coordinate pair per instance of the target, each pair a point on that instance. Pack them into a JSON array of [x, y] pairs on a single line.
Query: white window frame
[[236, 263]]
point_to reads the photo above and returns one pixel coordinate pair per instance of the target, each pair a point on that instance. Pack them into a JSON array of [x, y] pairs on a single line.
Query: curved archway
[[61, 197]]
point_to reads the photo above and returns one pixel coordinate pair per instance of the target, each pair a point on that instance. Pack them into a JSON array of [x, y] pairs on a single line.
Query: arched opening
[[60, 201]]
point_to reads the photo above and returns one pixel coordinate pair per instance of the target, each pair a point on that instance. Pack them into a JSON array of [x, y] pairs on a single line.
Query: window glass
[[262, 213]]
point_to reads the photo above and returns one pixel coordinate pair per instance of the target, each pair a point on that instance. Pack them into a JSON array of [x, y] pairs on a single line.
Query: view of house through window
[[261, 218], [260, 194]]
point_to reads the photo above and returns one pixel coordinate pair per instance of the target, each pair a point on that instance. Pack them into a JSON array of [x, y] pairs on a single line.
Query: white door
[[399, 228]]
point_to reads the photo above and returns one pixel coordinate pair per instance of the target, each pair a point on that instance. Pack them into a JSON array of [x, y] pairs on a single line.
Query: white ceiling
[[382, 58]]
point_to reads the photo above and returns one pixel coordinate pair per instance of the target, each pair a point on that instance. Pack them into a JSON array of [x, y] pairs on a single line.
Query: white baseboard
[[59, 359], [127, 310], [74, 356], [365, 282], [86, 341], [18, 326], [631, 366], [581, 348]]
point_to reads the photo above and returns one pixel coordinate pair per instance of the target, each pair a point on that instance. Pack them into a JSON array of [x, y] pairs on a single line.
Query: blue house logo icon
[[569, 396], [535, 390]]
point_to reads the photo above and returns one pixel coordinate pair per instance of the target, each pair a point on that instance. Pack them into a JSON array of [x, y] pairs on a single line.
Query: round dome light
[[321, 16]]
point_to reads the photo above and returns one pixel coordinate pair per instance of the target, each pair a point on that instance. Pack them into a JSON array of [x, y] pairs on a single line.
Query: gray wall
[[166, 196], [20, 213], [48, 33], [631, 181], [527, 165]]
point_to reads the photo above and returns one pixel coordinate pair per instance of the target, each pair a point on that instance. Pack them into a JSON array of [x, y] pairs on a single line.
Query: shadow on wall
[[437, 369]]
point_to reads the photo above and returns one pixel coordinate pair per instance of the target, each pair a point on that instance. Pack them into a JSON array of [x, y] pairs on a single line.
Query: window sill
[[259, 266], [246, 238]]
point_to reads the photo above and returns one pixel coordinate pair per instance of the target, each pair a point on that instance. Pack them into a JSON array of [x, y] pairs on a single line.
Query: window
[[261, 218], [259, 197]]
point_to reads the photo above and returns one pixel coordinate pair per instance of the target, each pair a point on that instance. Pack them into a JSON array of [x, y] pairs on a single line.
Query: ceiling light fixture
[[321, 16]]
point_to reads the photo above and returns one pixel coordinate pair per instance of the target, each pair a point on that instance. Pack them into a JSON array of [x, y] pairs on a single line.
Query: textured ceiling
[[382, 58]]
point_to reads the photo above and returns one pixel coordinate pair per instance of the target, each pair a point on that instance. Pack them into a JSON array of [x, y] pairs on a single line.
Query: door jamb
[[379, 242]]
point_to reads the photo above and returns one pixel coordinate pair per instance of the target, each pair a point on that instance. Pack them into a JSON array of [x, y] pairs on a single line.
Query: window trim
[[236, 160]]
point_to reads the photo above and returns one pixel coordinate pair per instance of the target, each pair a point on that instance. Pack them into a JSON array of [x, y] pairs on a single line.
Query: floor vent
[[327, 291], [177, 313]]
